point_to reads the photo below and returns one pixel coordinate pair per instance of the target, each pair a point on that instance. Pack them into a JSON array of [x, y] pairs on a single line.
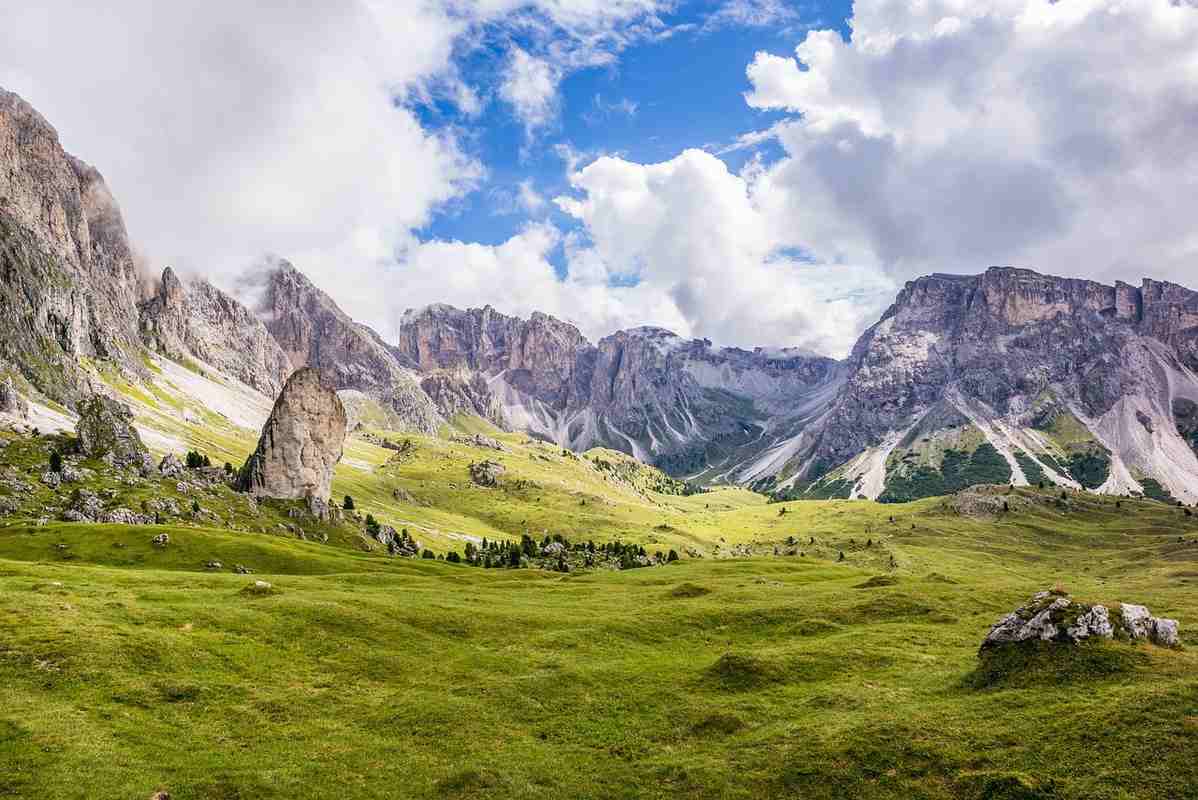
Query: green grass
[[124, 670], [127, 668]]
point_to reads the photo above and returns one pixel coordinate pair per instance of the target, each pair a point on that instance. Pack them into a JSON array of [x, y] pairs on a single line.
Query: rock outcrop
[[313, 331], [301, 442], [487, 473], [1055, 617], [105, 430], [11, 402], [68, 283], [197, 320]]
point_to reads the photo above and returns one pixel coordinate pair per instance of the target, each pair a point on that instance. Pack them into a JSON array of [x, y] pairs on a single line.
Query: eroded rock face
[[644, 391], [301, 442], [1051, 617], [313, 331], [198, 320], [68, 284], [105, 429]]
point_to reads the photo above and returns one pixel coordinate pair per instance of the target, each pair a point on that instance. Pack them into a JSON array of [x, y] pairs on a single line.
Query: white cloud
[[228, 130], [752, 14], [530, 88], [951, 135], [705, 254]]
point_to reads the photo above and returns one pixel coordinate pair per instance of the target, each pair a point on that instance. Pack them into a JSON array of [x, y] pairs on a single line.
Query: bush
[[452, 557], [228, 468], [428, 554], [348, 505], [673, 556]]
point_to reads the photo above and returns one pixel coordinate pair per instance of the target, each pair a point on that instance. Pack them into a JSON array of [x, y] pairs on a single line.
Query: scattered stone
[[161, 540], [242, 570], [170, 466], [478, 440], [301, 442], [553, 549], [1055, 617], [52, 479], [487, 473], [125, 516], [72, 474], [106, 427], [214, 565]]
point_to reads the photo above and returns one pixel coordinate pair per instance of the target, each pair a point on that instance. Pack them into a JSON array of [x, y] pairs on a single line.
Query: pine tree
[[55, 462], [348, 505]]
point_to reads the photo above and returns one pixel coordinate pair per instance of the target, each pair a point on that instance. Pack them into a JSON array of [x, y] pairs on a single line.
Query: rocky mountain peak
[[196, 320], [313, 331], [71, 286]]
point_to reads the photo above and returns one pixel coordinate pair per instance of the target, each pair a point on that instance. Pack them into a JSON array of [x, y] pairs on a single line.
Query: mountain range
[[1004, 376]]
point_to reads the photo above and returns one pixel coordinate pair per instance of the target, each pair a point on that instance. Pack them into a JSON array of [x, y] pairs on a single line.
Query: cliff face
[[646, 391], [313, 331], [67, 276], [1044, 370], [197, 320]]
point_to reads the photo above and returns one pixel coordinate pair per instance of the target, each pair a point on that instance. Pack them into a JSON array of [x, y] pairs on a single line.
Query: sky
[[756, 172]]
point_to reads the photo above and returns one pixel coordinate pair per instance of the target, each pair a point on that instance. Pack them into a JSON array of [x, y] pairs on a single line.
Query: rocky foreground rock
[[301, 442], [1056, 617], [105, 430]]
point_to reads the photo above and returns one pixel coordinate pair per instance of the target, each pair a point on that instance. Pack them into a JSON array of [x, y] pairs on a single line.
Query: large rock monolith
[[301, 442]]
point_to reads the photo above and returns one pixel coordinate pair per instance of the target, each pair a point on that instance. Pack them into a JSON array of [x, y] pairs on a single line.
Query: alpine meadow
[[559, 399]]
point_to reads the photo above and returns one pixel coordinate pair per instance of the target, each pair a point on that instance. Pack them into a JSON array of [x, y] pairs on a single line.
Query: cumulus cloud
[[227, 129], [693, 236], [951, 135]]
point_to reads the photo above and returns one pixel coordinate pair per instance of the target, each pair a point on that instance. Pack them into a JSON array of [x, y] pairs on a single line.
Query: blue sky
[[661, 96], [383, 145]]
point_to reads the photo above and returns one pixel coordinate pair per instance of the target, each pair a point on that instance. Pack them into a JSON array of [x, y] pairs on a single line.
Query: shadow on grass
[[1037, 664]]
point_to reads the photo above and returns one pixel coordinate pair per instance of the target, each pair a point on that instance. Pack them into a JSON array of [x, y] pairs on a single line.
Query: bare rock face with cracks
[[301, 442]]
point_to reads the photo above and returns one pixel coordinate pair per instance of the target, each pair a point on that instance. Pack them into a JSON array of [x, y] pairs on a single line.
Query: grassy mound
[[1040, 664], [736, 672]]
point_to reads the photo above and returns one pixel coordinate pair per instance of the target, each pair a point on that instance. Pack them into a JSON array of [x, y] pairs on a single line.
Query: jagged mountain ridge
[[1041, 369], [646, 391], [197, 320], [1005, 376]]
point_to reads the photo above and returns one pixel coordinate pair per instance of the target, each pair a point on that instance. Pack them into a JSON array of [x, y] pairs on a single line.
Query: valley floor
[[127, 669]]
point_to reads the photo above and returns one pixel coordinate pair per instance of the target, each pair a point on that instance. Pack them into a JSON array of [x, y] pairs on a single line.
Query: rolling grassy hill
[[814, 649]]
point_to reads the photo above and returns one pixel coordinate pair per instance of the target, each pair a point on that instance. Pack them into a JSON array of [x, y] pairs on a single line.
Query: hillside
[[129, 669]]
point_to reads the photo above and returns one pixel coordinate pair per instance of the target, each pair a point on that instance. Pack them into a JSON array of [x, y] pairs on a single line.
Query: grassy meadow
[[844, 666]]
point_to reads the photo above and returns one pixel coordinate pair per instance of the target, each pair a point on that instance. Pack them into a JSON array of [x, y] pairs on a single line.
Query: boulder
[[487, 473], [1055, 617], [301, 442], [161, 540], [105, 427], [478, 440]]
